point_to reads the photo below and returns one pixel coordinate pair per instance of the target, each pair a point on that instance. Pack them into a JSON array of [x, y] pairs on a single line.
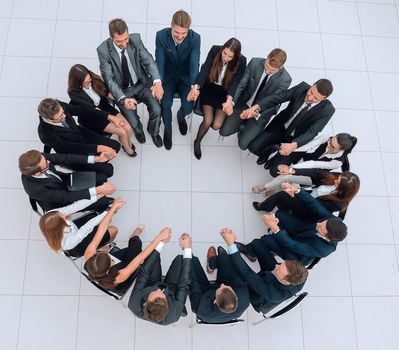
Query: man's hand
[[103, 157], [285, 170], [157, 90], [291, 189], [228, 106], [185, 241], [106, 189], [271, 221], [165, 234], [193, 94], [130, 103], [250, 112], [287, 148], [103, 148], [228, 235]]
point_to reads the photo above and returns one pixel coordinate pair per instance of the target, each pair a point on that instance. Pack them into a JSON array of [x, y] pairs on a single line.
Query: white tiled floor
[[354, 294]]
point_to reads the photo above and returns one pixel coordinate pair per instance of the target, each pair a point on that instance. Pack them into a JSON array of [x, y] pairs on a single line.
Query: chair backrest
[[313, 263], [227, 323], [35, 206]]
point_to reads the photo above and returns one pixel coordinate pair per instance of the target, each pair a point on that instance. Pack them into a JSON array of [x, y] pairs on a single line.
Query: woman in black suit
[[217, 80], [87, 89]]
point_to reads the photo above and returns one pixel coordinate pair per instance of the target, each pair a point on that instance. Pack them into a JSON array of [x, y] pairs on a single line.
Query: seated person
[[335, 193], [324, 152], [177, 52], [163, 302], [298, 239], [43, 183], [73, 237], [58, 130], [274, 283], [307, 113], [86, 88], [262, 78], [224, 300], [217, 80], [117, 270]]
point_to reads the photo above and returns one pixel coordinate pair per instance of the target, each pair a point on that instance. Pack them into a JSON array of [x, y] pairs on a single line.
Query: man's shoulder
[[104, 46], [163, 33]]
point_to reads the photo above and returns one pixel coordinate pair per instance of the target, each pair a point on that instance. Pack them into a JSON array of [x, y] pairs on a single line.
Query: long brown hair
[[346, 190], [77, 75], [235, 46], [52, 225], [100, 270]]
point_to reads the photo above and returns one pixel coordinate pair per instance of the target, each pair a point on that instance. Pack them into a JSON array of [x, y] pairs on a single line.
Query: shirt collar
[[56, 124]]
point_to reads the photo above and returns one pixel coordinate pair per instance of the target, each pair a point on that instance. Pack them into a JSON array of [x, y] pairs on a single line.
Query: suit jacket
[[50, 192], [203, 75], [265, 290], [301, 242], [69, 140], [144, 286], [79, 97], [111, 67], [177, 64], [275, 84], [314, 120], [202, 298]]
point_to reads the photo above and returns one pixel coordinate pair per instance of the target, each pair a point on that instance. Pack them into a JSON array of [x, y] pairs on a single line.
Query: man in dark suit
[[224, 300], [177, 53], [263, 79], [274, 283], [44, 184], [306, 115], [298, 239], [132, 76], [163, 302], [58, 130]]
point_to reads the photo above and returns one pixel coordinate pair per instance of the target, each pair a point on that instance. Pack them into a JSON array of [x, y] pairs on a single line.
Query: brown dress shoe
[[210, 254]]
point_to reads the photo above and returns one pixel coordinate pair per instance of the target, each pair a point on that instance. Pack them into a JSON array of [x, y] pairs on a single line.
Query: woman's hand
[[193, 94], [118, 203], [165, 234]]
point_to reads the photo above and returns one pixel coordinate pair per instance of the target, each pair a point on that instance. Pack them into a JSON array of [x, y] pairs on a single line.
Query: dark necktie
[[65, 124], [127, 78], [297, 120], [261, 86]]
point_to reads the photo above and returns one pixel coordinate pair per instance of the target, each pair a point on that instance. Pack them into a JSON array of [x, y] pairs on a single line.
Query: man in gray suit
[[262, 79], [132, 76]]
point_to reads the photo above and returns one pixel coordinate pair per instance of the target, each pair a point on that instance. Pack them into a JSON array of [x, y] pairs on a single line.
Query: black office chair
[[199, 321], [294, 302]]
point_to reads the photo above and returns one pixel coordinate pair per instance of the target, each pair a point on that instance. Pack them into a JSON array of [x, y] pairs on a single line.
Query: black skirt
[[213, 95]]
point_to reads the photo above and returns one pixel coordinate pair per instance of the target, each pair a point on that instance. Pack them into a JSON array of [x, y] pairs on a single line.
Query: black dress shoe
[[221, 250], [243, 249], [256, 205], [157, 140], [140, 136], [167, 140], [184, 312], [262, 160], [197, 150], [267, 165], [183, 126]]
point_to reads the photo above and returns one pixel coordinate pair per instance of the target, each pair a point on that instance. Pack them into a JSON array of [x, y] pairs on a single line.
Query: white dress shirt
[[93, 95]]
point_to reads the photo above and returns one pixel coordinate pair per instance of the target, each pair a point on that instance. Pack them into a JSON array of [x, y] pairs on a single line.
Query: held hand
[[291, 189], [185, 241], [165, 234], [103, 148], [157, 90], [130, 103], [114, 120], [283, 169], [271, 221], [287, 148], [249, 113], [103, 157], [106, 189], [228, 235], [228, 108], [193, 94], [118, 203]]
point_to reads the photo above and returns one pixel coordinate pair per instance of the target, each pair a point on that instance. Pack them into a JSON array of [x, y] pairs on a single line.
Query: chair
[[198, 320], [294, 302]]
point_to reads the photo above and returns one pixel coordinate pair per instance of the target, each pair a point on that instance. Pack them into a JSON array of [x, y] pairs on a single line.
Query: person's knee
[[114, 145], [108, 170], [113, 231], [216, 125], [273, 170]]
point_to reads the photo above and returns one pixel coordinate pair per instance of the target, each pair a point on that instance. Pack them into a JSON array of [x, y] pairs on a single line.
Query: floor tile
[[370, 23], [253, 223], [6, 8], [158, 14], [88, 10], [45, 9], [252, 173], [394, 211], [38, 329], [387, 123], [390, 161], [382, 87], [299, 75], [296, 16], [4, 26], [203, 17], [127, 170], [374, 45], [246, 17], [246, 36], [9, 320], [126, 9]]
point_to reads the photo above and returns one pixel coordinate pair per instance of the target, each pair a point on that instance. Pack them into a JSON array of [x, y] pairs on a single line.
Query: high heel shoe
[[134, 154], [197, 150]]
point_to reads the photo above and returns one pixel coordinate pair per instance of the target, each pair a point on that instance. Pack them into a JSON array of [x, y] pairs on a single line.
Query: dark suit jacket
[[69, 140], [181, 64], [277, 83], [111, 67], [301, 242], [202, 298], [203, 75], [314, 120], [79, 97], [50, 192], [265, 291], [144, 286]]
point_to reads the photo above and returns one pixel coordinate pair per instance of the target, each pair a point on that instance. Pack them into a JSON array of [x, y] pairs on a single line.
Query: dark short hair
[[277, 58], [48, 108], [182, 19], [117, 26], [156, 310], [227, 300], [324, 87], [297, 272], [346, 142], [336, 230], [28, 163]]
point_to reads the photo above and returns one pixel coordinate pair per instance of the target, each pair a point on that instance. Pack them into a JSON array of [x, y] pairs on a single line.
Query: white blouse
[[93, 95], [221, 75]]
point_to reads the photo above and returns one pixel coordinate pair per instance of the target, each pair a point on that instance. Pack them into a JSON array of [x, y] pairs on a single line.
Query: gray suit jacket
[[278, 82], [111, 68]]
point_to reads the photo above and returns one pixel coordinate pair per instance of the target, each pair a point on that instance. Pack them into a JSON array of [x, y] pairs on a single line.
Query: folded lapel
[[114, 55]]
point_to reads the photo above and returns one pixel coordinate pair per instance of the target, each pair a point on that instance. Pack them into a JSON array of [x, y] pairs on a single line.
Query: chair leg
[[260, 321], [221, 138], [190, 123]]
